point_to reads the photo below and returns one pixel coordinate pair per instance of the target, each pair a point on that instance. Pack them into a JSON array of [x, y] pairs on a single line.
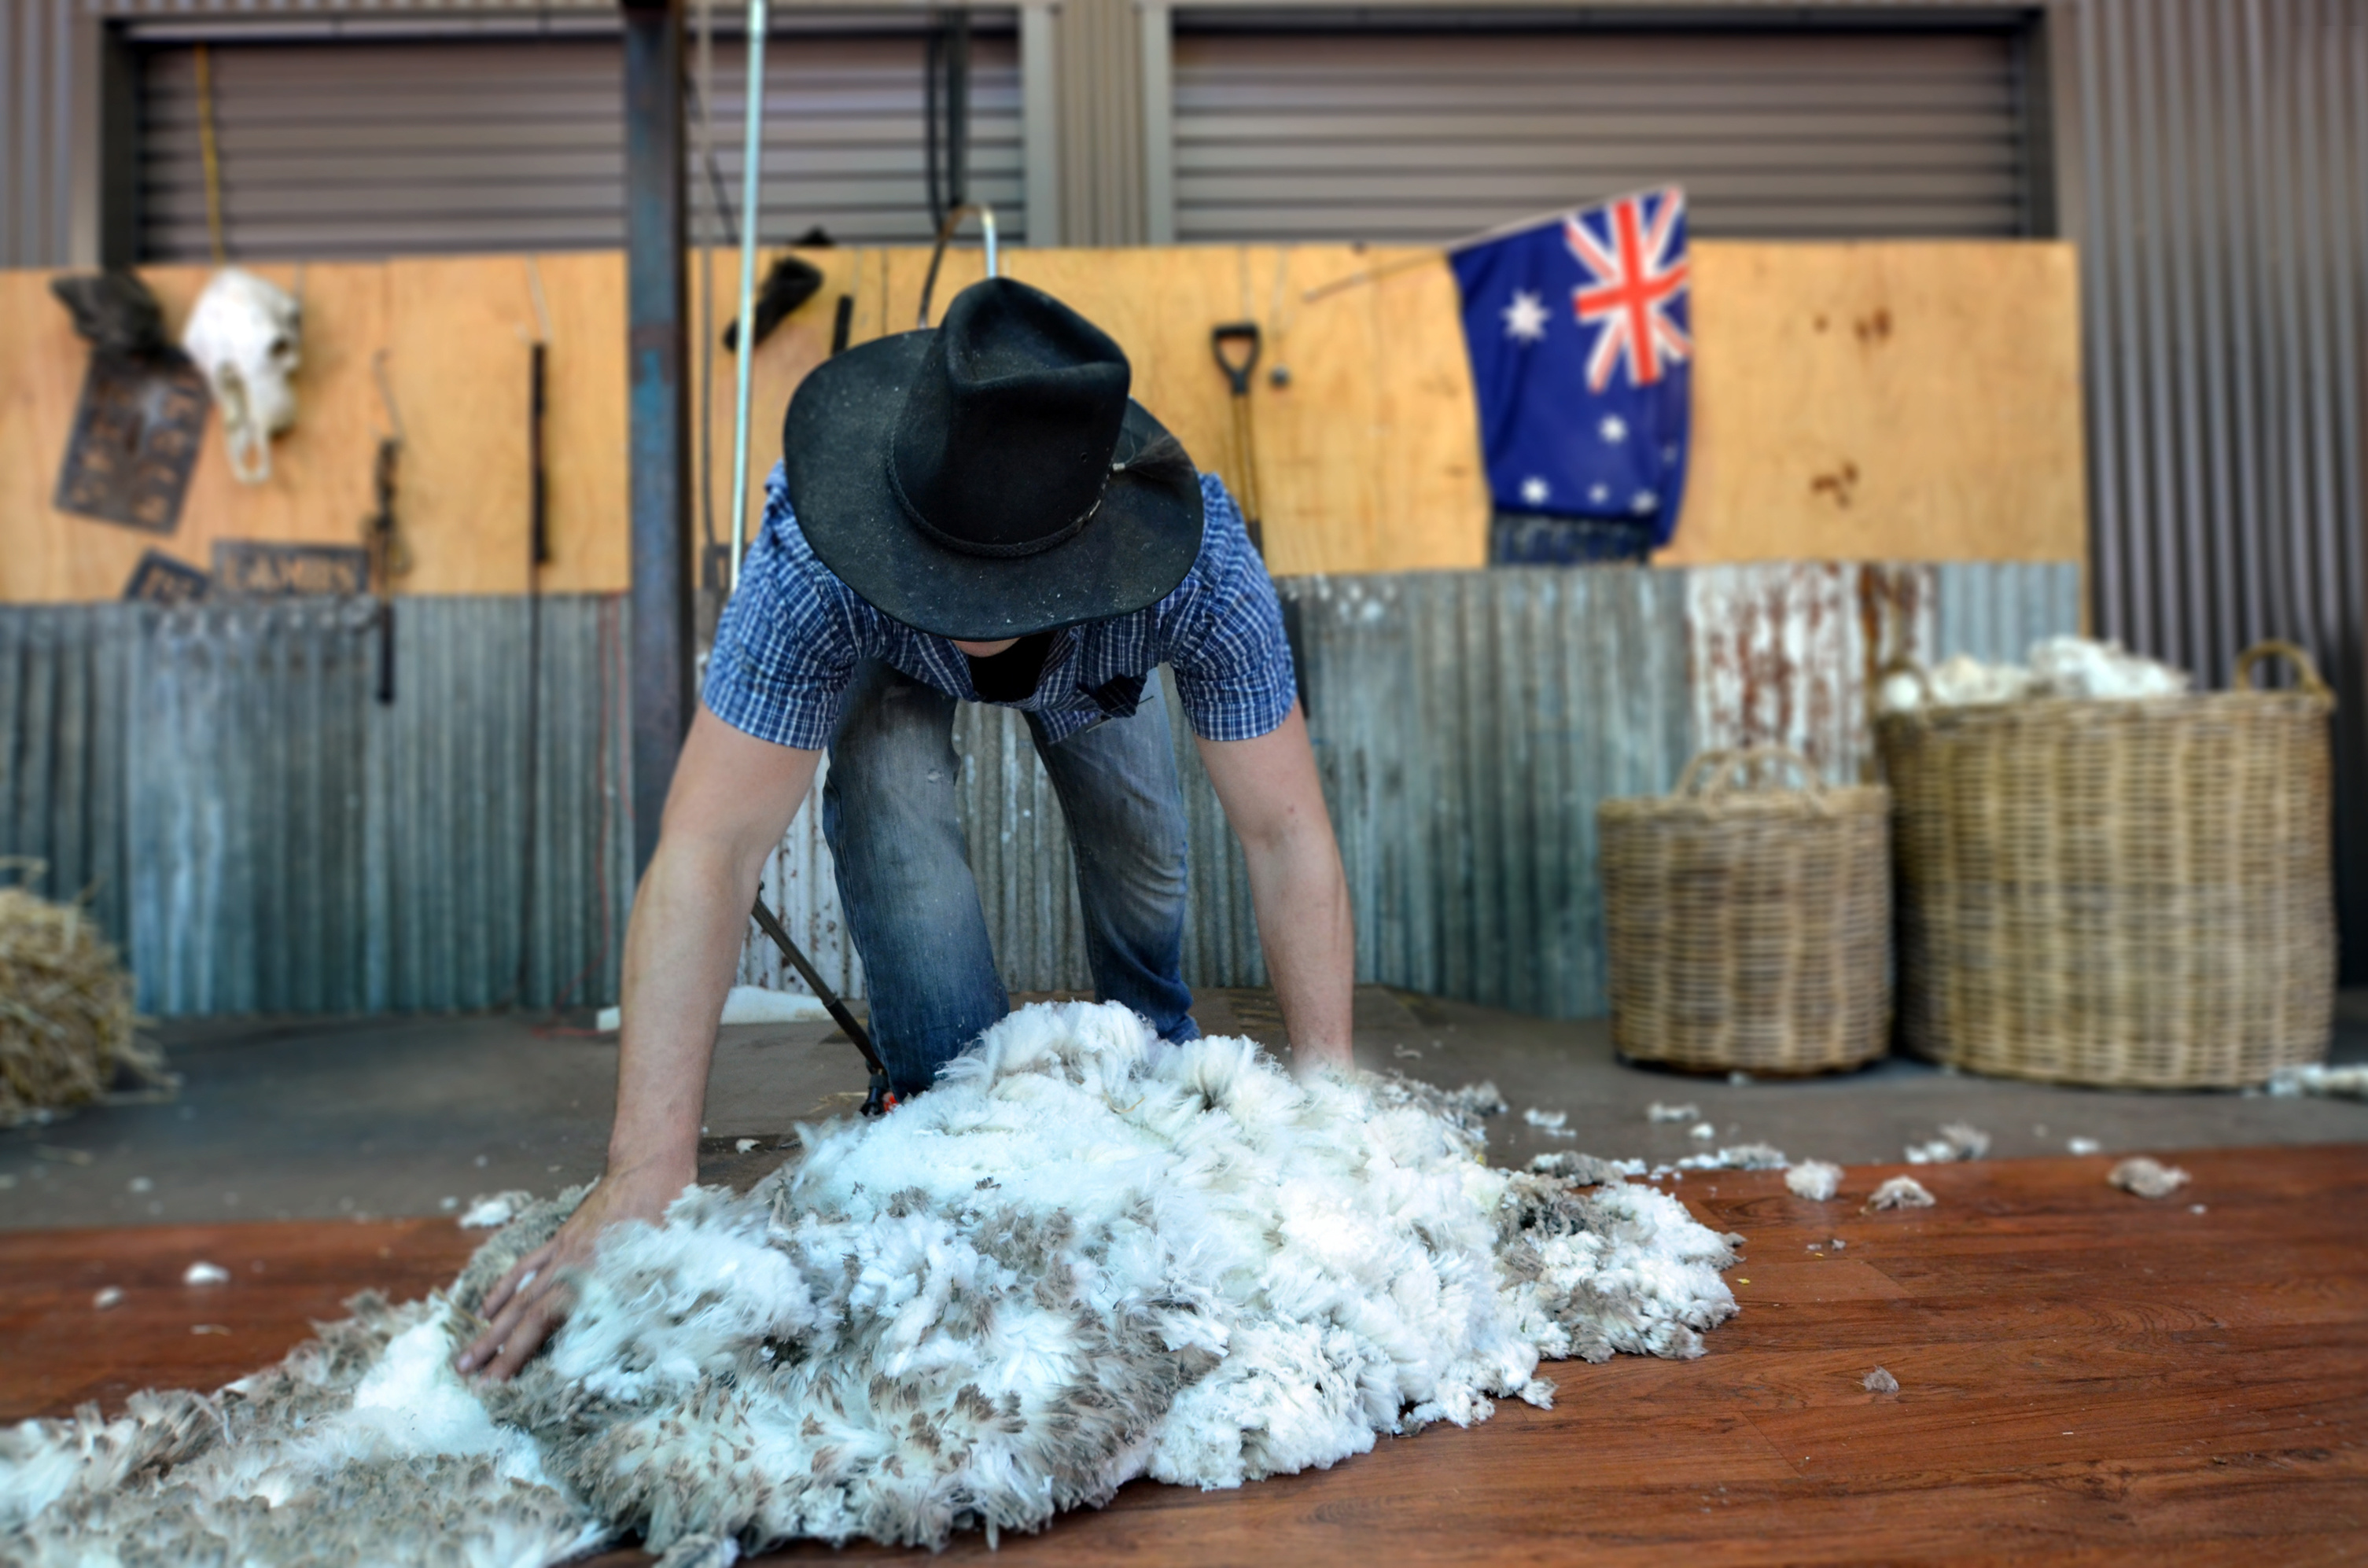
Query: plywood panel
[[1366, 459], [1901, 402], [1853, 402], [320, 486]]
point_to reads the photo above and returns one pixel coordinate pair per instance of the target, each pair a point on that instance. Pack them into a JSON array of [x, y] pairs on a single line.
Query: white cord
[[752, 149]]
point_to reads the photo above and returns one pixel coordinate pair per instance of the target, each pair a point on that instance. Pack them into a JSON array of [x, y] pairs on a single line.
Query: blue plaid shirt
[[793, 634]]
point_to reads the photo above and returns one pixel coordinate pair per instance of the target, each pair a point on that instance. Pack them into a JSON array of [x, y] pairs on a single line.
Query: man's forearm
[[681, 950], [730, 798], [1305, 925]]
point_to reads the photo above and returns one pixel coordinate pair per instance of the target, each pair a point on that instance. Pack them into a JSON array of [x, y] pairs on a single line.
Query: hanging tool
[[986, 216], [1237, 375], [882, 1099], [945, 112], [388, 558]]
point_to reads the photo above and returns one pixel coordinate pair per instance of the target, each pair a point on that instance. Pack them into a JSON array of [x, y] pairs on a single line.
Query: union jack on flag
[[1637, 268], [1577, 326]]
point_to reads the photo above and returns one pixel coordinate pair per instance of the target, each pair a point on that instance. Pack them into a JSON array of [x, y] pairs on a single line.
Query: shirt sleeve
[[785, 650], [1234, 675]]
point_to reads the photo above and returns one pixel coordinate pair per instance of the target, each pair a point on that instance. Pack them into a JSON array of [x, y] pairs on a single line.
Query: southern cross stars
[[1525, 318]]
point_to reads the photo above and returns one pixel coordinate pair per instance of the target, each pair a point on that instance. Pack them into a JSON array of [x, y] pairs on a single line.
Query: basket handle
[[1714, 774], [2279, 648], [1689, 781]]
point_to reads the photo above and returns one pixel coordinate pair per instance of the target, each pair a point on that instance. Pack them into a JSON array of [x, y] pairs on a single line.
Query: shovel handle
[[1243, 332]]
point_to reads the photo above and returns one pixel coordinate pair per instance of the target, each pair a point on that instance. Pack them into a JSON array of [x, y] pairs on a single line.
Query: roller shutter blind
[[1426, 136], [376, 148]]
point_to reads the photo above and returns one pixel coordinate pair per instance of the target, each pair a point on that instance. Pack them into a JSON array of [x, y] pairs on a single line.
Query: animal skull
[[244, 335]]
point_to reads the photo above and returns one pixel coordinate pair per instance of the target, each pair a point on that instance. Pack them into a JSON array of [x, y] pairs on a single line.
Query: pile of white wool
[[1086, 1256]]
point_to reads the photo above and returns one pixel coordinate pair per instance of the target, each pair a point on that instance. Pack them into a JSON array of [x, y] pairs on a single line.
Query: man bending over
[[974, 513]]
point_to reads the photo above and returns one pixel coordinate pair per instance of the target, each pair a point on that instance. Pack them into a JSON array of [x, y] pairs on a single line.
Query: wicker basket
[[2133, 893], [1749, 926]]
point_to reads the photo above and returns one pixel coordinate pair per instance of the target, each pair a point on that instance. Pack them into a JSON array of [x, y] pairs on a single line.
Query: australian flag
[[1578, 333]]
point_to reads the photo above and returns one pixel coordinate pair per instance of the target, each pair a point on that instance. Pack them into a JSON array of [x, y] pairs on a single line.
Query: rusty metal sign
[[250, 569], [136, 435], [161, 580]]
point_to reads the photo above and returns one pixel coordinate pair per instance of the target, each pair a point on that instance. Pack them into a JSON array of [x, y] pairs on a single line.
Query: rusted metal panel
[[1787, 653], [1782, 653]]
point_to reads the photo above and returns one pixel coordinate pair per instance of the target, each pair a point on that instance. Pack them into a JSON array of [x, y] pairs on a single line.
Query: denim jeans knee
[[891, 816]]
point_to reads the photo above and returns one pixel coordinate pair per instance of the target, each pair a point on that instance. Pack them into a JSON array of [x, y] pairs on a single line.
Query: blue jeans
[[905, 879]]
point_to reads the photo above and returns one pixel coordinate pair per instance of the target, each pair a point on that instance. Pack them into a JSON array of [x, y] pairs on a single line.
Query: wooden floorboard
[[2085, 1377]]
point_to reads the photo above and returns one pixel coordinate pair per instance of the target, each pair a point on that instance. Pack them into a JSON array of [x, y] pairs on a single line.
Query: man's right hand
[[527, 1304], [732, 799]]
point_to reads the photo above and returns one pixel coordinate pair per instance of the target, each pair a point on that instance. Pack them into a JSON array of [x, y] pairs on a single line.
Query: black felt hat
[[991, 478]]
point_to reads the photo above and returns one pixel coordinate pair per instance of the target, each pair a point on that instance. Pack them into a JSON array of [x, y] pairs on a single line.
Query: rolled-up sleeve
[[785, 650], [1234, 675]]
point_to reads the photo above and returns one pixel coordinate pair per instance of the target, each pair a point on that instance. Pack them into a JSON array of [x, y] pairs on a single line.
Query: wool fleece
[[1085, 1255]]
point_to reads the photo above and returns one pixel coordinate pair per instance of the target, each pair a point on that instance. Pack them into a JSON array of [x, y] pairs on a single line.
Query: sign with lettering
[[136, 435], [250, 569], [161, 580]]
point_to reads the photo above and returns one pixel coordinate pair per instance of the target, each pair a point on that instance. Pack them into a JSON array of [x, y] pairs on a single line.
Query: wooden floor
[[2085, 1376]]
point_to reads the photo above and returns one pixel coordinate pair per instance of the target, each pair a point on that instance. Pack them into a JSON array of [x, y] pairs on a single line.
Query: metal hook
[[986, 216]]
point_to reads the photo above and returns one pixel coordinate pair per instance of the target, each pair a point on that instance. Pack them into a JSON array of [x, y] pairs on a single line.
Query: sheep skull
[[244, 335]]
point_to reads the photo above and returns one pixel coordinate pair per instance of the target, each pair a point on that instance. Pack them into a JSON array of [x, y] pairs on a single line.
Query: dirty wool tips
[[1900, 1192], [1083, 1257], [2147, 1179]]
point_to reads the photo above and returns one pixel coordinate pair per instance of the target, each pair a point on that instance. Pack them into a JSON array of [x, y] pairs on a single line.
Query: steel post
[[656, 239]]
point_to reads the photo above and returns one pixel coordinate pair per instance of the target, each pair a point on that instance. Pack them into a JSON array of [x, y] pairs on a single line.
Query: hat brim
[[1141, 543]]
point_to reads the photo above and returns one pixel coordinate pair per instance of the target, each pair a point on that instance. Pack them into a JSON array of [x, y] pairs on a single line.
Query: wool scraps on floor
[[1085, 1256]]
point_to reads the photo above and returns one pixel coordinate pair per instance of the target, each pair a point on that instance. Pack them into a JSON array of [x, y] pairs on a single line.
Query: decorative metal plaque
[[135, 440], [249, 569], [161, 580]]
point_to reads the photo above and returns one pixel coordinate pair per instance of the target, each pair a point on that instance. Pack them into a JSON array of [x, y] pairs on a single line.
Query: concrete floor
[[308, 1119]]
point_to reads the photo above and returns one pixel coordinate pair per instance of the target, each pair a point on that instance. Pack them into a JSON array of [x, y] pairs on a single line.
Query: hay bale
[[65, 1009]]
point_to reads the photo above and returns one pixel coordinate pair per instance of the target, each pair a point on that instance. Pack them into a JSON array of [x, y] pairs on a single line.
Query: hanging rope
[[208, 154], [704, 86], [751, 150]]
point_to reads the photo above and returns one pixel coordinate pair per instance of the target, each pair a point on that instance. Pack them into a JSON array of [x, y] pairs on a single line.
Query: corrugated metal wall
[[384, 146], [1415, 132], [262, 835], [64, 671], [1466, 724], [2224, 223], [270, 838], [36, 160]]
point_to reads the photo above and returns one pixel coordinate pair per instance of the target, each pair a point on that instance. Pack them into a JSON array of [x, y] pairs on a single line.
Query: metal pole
[[659, 430], [752, 148]]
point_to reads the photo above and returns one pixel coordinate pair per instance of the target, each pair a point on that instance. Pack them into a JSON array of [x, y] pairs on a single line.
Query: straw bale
[[65, 1010]]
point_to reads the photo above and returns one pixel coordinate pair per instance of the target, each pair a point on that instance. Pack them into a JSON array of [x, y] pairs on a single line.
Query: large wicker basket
[[1749, 926], [2130, 893]]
